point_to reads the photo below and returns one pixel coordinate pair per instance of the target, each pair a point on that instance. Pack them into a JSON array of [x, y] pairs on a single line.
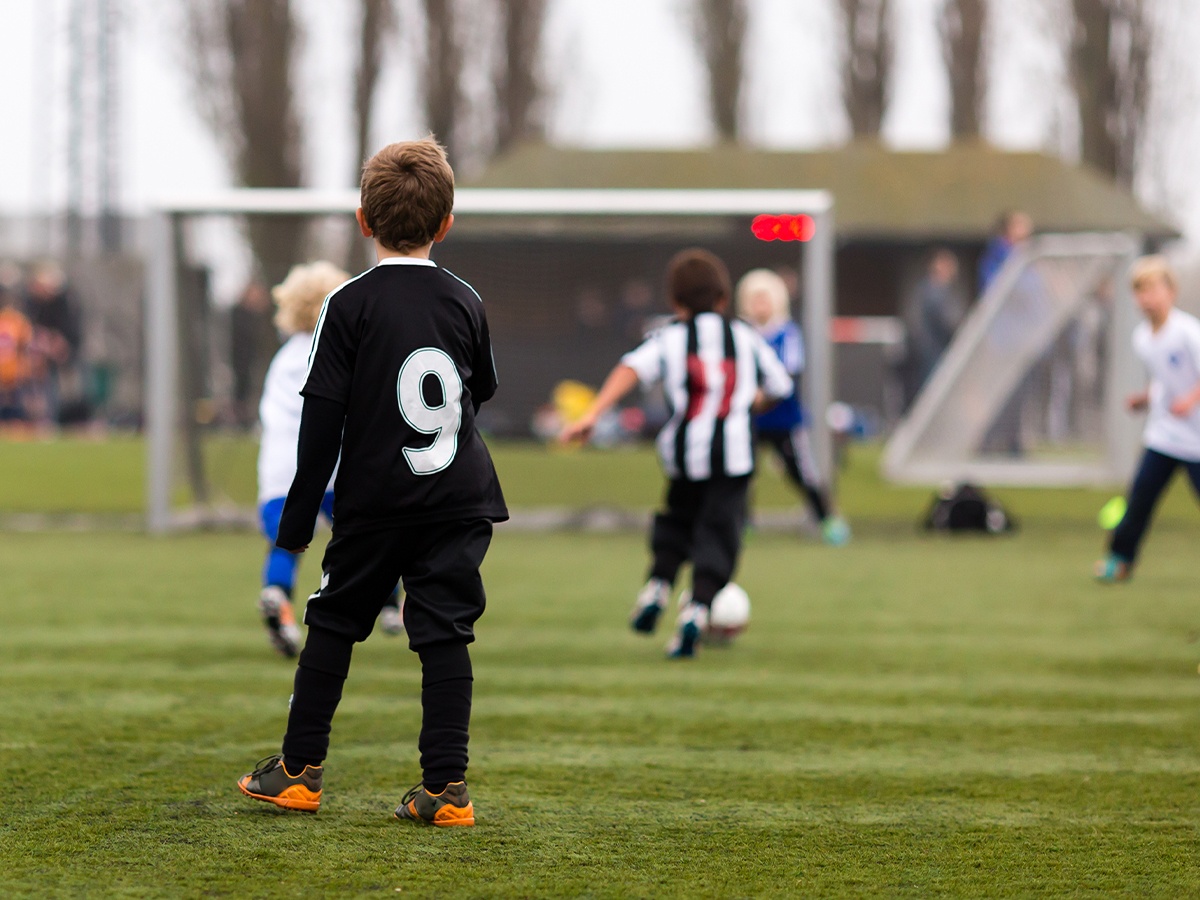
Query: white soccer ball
[[730, 614]]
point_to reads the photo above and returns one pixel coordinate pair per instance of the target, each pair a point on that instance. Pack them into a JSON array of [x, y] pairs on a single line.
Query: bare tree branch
[[962, 26], [720, 31], [519, 91], [376, 24], [241, 73], [443, 75], [1110, 54], [867, 59]]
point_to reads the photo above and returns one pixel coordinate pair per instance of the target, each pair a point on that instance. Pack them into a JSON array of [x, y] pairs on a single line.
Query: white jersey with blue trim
[[711, 369], [1172, 359], [279, 415]]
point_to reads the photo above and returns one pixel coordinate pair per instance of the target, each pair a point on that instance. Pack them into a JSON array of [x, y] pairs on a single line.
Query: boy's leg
[[672, 530], [1193, 473], [716, 546], [795, 451], [717, 542], [278, 582], [359, 571], [1152, 477], [444, 597]]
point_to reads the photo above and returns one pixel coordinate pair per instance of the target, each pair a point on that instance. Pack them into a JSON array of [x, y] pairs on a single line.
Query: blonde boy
[[1168, 343]]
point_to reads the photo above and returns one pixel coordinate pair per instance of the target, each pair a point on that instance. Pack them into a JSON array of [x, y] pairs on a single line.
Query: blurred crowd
[[40, 337]]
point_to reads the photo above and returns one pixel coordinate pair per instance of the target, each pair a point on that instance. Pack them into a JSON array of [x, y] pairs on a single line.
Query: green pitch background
[[907, 716]]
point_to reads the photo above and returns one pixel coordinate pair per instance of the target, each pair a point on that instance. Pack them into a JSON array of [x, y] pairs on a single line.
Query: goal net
[[1030, 391], [571, 279]]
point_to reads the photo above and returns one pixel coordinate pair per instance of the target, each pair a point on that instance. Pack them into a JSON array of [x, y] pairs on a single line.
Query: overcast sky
[[621, 73]]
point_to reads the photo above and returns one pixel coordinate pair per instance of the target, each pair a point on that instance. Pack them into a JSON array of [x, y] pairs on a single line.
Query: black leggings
[[795, 451], [703, 523], [1153, 476]]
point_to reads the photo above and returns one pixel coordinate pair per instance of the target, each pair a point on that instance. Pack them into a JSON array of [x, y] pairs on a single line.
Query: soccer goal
[[571, 277], [1031, 391]]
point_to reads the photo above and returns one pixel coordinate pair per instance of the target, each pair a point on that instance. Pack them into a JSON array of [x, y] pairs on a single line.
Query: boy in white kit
[[299, 299], [1168, 344]]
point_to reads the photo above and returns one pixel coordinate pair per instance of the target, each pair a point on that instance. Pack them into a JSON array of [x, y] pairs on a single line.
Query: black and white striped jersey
[[711, 369]]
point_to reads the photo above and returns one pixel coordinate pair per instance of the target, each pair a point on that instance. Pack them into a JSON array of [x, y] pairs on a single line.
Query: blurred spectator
[[932, 315], [1013, 229], [16, 346], [252, 343], [54, 314]]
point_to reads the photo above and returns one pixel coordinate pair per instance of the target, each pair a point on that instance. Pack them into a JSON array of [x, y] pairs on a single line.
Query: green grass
[[908, 716], [107, 477]]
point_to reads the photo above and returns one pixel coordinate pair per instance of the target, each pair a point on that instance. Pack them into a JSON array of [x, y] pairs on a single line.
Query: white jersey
[[1172, 359], [711, 369], [279, 413]]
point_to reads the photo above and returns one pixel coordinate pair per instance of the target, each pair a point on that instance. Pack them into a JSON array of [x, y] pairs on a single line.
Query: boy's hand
[[579, 431], [1137, 402], [1182, 407]]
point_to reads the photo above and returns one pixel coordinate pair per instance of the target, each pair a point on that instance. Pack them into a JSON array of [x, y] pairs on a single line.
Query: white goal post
[[815, 260]]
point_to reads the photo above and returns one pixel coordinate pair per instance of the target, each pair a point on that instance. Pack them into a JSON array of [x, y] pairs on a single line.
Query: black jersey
[[405, 347]]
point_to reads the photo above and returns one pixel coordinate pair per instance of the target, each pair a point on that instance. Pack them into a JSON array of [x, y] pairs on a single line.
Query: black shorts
[[438, 564]]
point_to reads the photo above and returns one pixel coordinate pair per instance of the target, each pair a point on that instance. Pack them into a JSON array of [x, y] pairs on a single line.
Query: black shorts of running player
[[703, 523], [438, 564]]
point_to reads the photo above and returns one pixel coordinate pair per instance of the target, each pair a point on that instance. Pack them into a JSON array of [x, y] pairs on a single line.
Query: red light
[[783, 228]]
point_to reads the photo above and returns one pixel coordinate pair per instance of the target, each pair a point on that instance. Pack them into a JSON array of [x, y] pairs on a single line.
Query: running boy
[[299, 299], [400, 363], [1168, 343], [762, 300], [714, 372]]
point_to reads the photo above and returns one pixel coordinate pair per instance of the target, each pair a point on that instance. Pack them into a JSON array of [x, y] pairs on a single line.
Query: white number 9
[[443, 420]]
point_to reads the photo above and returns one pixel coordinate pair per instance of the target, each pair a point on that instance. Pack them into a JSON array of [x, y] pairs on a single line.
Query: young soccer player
[[400, 363], [762, 300], [1168, 343], [299, 300], [714, 372]]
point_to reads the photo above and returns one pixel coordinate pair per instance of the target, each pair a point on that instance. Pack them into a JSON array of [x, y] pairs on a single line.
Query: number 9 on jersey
[[443, 420]]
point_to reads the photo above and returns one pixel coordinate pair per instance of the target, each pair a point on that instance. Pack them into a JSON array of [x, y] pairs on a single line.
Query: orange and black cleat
[[451, 807], [272, 783]]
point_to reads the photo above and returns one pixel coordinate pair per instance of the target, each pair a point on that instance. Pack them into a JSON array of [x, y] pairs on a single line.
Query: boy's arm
[[775, 383], [321, 423], [621, 380], [483, 381]]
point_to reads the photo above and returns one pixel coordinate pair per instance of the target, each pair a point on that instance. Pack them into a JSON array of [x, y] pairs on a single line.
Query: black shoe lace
[[412, 793], [266, 764]]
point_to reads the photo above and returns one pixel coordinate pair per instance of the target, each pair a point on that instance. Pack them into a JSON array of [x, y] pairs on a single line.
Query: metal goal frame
[[162, 291]]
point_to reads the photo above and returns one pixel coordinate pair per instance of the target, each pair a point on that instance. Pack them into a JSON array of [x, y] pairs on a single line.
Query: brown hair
[[407, 192], [697, 281], [1150, 267]]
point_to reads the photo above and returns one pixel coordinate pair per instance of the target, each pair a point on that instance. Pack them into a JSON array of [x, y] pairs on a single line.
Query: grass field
[[907, 716]]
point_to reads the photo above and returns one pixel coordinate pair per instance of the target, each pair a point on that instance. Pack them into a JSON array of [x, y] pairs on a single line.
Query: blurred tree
[[375, 27], [443, 75], [377, 21], [1109, 62], [720, 31], [518, 88], [962, 25], [241, 68], [867, 58]]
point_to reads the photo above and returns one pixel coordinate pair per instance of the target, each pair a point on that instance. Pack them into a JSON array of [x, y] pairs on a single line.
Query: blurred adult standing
[[16, 346], [1013, 229], [54, 314], [252, 343], [933, 313]]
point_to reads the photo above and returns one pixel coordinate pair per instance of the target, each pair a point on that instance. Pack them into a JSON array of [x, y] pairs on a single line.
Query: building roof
[[881, 193]]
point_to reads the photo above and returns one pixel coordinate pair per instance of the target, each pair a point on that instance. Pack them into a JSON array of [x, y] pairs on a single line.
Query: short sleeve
[[647, 360], [1191, 336], [331, 357]]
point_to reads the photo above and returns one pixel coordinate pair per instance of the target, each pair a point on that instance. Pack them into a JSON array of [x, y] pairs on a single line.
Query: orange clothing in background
[[16, 336]]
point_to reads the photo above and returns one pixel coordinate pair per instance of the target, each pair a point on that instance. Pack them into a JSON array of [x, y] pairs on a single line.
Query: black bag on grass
[[966, 507]]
